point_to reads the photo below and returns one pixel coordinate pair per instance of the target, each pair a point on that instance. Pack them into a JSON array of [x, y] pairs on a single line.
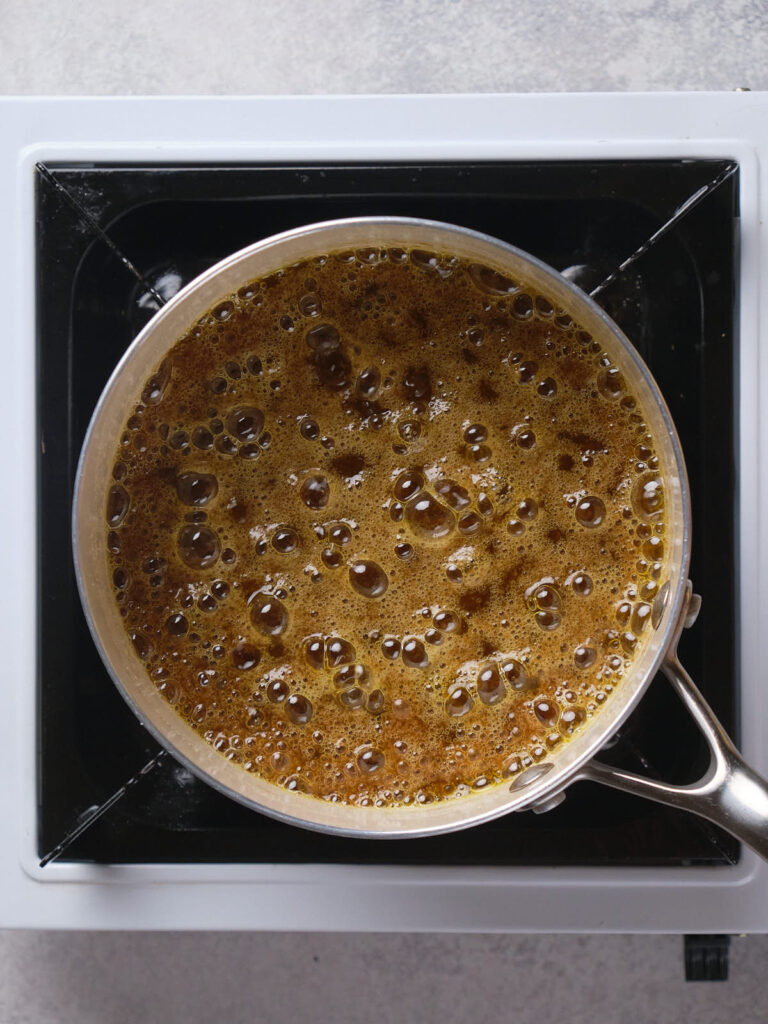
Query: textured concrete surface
[[297, 46], [114, 978], [300, 46]]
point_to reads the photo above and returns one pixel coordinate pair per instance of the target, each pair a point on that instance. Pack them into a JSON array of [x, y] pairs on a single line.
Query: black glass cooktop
[[107, 235]]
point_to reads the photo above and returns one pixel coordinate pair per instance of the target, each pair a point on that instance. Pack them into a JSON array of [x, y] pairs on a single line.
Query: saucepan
[[730, 793]]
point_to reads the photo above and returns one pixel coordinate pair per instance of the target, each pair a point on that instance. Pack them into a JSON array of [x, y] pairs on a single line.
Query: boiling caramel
[[386, 526]]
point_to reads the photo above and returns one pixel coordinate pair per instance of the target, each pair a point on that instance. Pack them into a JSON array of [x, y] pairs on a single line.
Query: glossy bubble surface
[[387, 527]]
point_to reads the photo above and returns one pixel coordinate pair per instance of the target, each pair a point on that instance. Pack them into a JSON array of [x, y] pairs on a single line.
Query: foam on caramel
[[386, 526]]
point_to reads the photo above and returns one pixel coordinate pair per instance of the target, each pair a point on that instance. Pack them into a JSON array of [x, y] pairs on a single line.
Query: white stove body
[[421, 128]]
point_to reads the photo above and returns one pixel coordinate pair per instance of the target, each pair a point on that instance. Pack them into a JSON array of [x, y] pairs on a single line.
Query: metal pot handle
[[729, 793]]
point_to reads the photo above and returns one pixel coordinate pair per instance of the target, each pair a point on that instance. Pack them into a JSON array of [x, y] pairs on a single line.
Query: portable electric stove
[[111, 206]]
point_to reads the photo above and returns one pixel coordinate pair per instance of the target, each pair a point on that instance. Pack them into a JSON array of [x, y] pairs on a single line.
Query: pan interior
[[95, 586]]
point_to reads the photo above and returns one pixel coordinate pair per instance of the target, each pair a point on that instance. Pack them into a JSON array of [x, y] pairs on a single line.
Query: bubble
[[546, 711], [404, 551], [310, 305], [408, 484], [226, 445], [340, 533], [277, 691], [610, 382], [177, 625], [308, 429], [453, 494], [152, 564], [580, 583], [433, 636], [390, 648], [491, 281], [454, 573], [409, 430], [475, 433], [527, 510], [628, 643], [285, 539], [641, 615], [459, 702], [120, 579], [338, 652], [584, 656], [333, 369], [196, 489], [245, 656], [353, 698], [428, 518], [590, 512], [323, 339], [368, 382], [298, 708], [547, 597], [155, 387], [447, 621], [469, 523], [245, 423], [479, 452], [315, 491], [548, 620], [522, 306], [269, 614], [417, 384], [142, 645], [648, 496], [516, 528], [653, 548], [396, 511], [490, 686], [525, 438], [484, 504], [354, 674], [414, 653], [314, 651], [527, 370], [649, 588], [118, 503], [198, 546], [368, 579], [224, 311], [202, 438], [547, 388], [376, 702], [218, 385], [370, 760], [571, 719], [514, 673], [332, 558], [623, 612]]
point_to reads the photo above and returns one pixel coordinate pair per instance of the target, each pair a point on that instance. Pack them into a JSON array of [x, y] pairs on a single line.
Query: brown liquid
[[387, 527]]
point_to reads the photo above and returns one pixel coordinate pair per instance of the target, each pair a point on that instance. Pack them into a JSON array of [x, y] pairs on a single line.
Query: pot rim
[[535, 784]]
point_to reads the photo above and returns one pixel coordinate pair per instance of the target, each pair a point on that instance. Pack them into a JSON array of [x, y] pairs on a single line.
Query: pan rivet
[[529, 776]]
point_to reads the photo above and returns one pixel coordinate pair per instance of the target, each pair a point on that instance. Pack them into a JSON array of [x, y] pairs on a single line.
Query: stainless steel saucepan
[[730, 793]]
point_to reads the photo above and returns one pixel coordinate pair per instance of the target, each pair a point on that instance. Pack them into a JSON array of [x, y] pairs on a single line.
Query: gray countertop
[[306, 46], [343, 46]]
